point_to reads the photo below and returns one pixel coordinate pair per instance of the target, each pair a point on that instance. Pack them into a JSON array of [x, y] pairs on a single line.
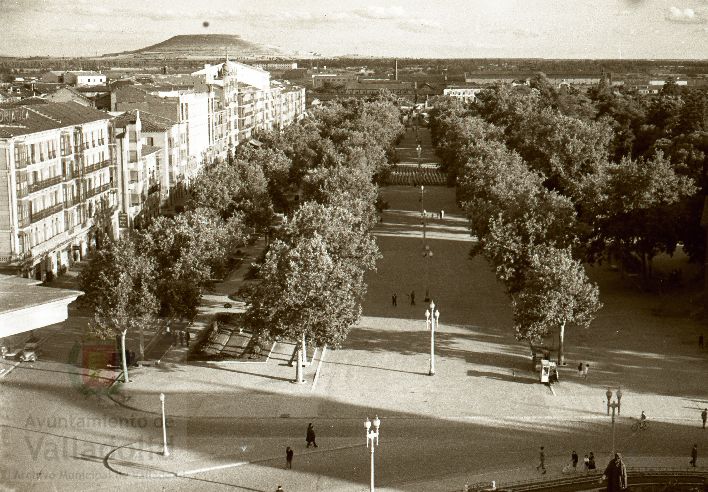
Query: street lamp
[[165, 451], [373, 436], [427, 253], [613, 405], [431, 319]]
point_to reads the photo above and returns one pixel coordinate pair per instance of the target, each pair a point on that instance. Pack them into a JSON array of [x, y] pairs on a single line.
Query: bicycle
[[639, 425]]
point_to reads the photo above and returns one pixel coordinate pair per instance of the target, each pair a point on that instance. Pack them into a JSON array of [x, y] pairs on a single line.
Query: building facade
[[56, 181]]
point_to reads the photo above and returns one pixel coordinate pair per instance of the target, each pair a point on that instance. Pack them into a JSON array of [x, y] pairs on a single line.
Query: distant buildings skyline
[[415, 28]]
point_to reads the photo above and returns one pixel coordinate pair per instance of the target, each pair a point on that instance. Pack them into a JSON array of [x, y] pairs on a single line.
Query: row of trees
[[313, 277], [321, 173], [538, 173]]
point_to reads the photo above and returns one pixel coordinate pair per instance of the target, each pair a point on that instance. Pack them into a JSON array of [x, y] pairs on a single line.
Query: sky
[[405, 28]]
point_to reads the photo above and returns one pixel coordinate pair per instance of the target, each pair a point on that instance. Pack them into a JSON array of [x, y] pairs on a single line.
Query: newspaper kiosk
[[549, 371]]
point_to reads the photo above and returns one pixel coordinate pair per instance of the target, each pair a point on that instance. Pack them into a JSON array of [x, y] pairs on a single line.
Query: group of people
[[394, 298], [290, 453], [589, 464], [310, 439]]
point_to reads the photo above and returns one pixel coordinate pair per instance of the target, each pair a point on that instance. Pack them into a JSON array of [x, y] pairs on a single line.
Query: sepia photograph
[[326, 245]]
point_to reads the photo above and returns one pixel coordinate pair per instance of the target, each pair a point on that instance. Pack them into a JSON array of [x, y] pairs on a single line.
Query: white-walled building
[[465, 94], [56, 173], [82, 78]]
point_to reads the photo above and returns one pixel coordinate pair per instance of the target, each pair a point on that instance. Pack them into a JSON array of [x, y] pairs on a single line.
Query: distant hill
[[201, 46]]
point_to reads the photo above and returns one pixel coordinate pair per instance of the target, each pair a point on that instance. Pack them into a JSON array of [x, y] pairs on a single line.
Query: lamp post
[[431, 319], [614, 405], [165, 451], [373, 436], [427, 252]]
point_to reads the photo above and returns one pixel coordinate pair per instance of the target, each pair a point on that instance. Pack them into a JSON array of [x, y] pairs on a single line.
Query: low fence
[[640, 480]]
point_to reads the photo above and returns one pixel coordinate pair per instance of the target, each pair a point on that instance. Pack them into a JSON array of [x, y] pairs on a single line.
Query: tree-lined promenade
[[551, 178], [322, 174], [481, 417]]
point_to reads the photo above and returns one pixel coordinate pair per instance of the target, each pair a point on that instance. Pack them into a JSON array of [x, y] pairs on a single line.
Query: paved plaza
[[481, 417]]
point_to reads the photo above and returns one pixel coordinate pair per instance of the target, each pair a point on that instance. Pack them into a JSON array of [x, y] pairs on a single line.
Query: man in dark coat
[[289, 457], [616, 474], [310, 437], [694, 456]]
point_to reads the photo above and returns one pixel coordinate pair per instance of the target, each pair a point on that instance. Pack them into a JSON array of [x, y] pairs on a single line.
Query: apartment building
[[56, 178], [188, 107], [139, 186]]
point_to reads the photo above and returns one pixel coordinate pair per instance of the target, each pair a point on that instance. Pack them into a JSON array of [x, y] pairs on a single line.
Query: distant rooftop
[[149, 122], [38, 115]]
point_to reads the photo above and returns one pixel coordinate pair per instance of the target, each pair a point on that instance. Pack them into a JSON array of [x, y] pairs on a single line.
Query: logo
[[96, 366]]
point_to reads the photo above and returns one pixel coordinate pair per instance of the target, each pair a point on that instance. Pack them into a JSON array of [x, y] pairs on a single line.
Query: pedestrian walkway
[[413, 170]]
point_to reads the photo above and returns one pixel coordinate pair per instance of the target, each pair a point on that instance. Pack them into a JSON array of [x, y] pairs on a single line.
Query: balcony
[[72, 201], [95, 167], [46, 183], [42, 214], [23, 221], [97, 190]]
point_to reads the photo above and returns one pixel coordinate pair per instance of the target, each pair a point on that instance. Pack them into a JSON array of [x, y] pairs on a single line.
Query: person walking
[[289, 458], [181, 337], [616, 474], [412, 298], [591, 462], [541, 460], [694, 456], [580, 369], [574, 459], [704, 416], [585, 370], [394, 300], [586, 463], [187, 337], [310, 436]]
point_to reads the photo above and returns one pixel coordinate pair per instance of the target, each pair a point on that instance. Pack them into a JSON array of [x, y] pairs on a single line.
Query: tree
[[304, 292], [346, 237], [556, 293], [276, 170], [231, 188], [118, 285], [190, 250], [638, 218]]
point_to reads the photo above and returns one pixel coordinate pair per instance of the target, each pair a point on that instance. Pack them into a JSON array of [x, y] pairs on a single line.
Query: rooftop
[[38, 115], [21, 293], [148, 122], [149, 149]]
